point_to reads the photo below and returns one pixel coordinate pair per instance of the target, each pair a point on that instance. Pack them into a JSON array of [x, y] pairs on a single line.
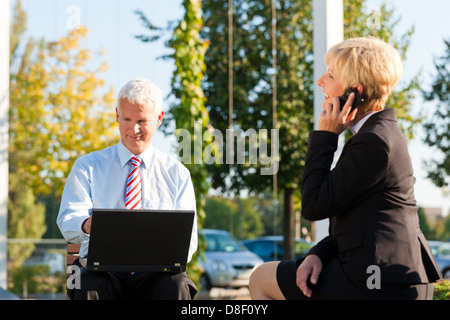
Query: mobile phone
[[356, 102]]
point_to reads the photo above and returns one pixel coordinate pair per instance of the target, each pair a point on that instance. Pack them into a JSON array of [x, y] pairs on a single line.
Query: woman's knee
[[263, 282], [265, 270]]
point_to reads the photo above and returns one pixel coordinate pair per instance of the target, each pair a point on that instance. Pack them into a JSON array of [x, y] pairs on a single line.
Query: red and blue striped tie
[[133, 193]]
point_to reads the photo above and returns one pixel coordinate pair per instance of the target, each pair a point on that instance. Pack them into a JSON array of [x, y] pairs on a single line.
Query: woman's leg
[[263, 282]]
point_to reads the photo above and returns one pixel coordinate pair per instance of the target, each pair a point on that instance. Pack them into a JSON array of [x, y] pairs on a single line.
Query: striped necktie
[[133, 193]]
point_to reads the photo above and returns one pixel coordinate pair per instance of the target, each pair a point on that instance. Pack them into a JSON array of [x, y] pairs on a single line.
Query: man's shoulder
[[99, 155], [170, 161]]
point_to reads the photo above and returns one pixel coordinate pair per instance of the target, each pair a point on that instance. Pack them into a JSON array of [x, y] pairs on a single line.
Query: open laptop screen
[[139, 240]]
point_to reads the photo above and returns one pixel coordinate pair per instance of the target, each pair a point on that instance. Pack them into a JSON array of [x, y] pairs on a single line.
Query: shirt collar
[[125, 155], [360, 123]]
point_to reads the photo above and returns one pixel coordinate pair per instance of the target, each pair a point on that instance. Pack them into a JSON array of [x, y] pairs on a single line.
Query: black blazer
[[369, 198]]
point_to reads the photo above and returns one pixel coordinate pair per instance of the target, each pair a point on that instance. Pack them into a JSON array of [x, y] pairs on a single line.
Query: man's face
[[137, 124]]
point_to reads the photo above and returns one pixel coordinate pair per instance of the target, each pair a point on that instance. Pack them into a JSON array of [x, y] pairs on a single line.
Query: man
[[375, 249], [99, 179]]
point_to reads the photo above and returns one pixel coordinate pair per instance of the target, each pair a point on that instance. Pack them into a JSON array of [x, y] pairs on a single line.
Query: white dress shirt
[[98, 179], [360, 123]]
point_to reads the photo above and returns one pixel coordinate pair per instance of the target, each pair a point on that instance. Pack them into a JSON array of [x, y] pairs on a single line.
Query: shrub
[[442, 290]]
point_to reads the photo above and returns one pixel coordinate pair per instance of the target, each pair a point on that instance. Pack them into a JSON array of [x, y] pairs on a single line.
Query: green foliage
[[253, 87], [57, 110], [358, 22], [437, 127], [442, 290], [188, 111], [238, 216], [221, 213], [26, 219], [189, 107], [252, 66], [424, 225], [26, 215], [34, 279], [57, 114], [442, 228], [252, 84]]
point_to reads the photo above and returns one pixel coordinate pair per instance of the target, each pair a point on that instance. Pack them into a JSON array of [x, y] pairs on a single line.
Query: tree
[[57, 113], [26, 220], [445, 233], [221, 213], [188, 112], [249, 221], [382, 24], [81, 116], [441, 228], [26, 215], [437, 127], [57, 110], [252, 89], [238, 216], [189, 108], [424, 225], [252, 85]]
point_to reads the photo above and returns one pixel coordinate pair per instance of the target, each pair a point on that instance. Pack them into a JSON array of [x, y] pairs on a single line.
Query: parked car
[[54, 260], [270, 248], [441, 252], [227, 263]]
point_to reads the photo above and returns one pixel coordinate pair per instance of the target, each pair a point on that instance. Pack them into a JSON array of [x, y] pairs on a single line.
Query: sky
[[113, 24]]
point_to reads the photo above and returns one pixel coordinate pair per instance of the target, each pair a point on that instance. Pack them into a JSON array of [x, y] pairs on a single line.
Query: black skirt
[[333, 284]]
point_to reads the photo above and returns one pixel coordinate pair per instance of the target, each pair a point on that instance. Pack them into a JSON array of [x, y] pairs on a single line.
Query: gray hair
[[141, 91]]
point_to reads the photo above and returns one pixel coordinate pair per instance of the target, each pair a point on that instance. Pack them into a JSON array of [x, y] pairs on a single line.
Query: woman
[[375, 249]]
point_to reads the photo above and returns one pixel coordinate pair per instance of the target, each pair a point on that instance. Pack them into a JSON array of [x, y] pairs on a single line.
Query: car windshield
[[221, 242], [443, 250]]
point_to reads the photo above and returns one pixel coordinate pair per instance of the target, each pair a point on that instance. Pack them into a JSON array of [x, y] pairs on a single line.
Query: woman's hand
[[311, 266], [335, 120]]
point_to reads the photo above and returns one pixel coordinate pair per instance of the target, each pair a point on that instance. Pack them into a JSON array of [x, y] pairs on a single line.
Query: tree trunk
[[288, 224]]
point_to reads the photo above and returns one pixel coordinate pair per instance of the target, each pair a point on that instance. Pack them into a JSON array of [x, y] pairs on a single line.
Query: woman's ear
[[360, 89]]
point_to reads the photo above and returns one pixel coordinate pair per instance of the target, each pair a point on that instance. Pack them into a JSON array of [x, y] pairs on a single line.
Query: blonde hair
[[368, 61]]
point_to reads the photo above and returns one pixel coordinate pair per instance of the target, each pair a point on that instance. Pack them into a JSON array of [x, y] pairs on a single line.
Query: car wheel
[[205, 283], [446, 274]]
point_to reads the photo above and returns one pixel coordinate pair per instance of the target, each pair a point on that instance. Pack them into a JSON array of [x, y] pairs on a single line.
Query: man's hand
[[86, 226], [334, 119], [311, 266]]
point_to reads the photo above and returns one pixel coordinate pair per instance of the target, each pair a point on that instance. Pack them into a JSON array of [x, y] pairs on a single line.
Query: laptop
[[125, 240]]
